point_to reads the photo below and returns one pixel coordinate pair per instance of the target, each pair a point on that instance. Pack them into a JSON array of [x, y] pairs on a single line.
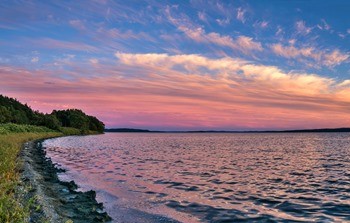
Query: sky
[[181, 65]]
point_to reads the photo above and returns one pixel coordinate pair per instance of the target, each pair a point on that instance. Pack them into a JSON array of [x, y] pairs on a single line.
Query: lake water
[[161, 177]]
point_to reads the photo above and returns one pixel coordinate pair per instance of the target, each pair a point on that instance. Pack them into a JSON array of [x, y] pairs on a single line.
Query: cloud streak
[[241, 14], [229, 65], [50, 43], [301, 28], [311, 55], [186, 91], [242, 43]]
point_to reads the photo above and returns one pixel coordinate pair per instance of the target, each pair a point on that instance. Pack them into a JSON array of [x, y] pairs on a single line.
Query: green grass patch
[[74, 131], [70, 131], [12, 137], [10, 128]]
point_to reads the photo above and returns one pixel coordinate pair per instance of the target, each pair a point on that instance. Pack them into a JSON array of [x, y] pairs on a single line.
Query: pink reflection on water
[[212, 177]]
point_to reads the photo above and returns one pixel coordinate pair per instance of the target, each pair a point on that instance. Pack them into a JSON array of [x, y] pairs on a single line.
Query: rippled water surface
[[161, 177]]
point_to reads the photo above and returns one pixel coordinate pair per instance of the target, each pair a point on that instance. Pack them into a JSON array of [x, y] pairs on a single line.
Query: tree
[[5, 115], [50, 121], [95, 124], [78, 119], [13, 111]]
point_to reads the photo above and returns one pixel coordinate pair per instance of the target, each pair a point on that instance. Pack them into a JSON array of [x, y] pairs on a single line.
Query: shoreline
[[54, 200]]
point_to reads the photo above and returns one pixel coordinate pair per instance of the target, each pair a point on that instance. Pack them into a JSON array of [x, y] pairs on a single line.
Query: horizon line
[[340, 129]]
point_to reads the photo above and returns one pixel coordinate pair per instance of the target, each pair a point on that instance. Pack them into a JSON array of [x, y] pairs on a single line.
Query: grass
[[10, 128], [12, 137], [74, 131], [70, 131]]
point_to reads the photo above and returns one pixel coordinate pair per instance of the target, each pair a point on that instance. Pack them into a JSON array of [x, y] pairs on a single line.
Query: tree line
[[12, 111]]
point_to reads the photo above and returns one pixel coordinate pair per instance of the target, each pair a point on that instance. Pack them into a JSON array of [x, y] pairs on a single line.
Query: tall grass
[[12, 138], [74, 131], [10, 128], [70, 131]]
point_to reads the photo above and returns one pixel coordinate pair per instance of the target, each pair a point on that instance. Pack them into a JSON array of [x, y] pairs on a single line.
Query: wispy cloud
[[35, 59], [189, 66], [261, 24], [241, 14], [116, 34], [323, 25], [94, 61], [301, 28], [329, 58], [182, 91], [242, 43], [335, 57], [223, 22], [78, 24], [279, 31], [50, 43], [202, 16], [294, 83]]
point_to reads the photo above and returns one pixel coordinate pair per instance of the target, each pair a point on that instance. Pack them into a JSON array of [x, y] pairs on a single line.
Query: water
[[141, 177]]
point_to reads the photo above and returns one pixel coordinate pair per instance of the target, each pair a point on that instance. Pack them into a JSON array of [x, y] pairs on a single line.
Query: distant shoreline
[[130, 130]]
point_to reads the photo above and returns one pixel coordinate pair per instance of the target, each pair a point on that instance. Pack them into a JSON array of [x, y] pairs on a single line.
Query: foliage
[[76, 118], [70, 131], [12, 111], [11, 209], [95, 124], [49, 121], [9, 128], [18, 124]]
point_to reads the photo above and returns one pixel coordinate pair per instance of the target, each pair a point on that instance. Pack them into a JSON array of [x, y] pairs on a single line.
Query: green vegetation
[[78, 119], [12, 137], [19, 124], [10, 128], [12, 111], [70, 131]]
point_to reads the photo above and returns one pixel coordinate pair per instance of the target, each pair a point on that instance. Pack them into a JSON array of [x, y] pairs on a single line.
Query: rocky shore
[[54, 200]]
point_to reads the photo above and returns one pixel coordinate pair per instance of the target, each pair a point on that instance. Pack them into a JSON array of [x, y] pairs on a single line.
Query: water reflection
[[213, 177]]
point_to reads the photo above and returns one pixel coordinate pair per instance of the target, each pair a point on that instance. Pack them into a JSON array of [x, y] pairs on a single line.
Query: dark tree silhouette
[[12, 111]]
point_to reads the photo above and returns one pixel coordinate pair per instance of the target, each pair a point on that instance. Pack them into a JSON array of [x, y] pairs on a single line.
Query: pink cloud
[[301, 28], [242, 43], [202, 16], [241, 15], [322, 57], [262, 24], [150, 91]]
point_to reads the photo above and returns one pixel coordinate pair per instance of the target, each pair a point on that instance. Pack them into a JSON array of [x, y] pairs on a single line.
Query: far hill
[[224, 131], [12, 111], [127, 130], [321, 130]]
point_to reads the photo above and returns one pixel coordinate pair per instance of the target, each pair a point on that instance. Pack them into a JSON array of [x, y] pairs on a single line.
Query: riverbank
[[12, 208], [58, 201], [19, 200]]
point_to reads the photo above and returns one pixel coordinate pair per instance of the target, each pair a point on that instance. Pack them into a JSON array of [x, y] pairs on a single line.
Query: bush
[[70, 131], [76, 118], [12, 111], [15, 128]]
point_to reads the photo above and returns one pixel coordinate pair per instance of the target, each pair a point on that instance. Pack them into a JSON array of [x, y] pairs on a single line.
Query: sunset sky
[[181, 65]]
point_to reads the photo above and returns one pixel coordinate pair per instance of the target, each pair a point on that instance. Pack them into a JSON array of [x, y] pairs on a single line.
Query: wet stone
[[61, 202]]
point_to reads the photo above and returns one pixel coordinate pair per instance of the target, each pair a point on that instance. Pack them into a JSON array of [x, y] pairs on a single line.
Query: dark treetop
[[12, 111]]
